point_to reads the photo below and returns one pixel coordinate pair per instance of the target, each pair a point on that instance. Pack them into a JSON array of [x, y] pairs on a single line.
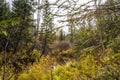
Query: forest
[[59, 39]]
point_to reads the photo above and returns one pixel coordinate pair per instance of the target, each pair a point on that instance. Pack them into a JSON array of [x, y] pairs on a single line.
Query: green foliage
[[61, 35], [111, 69], [39, 71], [47, 34], [88, 67], [86, 37], [115, 44], [97, 50], [4, 11], [16, 33]]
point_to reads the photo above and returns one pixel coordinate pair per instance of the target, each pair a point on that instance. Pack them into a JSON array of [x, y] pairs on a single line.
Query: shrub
[[62, 45]]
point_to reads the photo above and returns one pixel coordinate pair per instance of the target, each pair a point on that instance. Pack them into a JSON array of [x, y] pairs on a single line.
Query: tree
[[108, 22], [61, 35], [71, 27], [18, 33], [4, 17], [23, 11], [47, 28]]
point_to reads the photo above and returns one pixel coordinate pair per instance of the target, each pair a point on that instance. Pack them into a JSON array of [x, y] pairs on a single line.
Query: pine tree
[[4, 17], [47, 35], [23, 11], [19, 37], [61, 35], [4, 10]]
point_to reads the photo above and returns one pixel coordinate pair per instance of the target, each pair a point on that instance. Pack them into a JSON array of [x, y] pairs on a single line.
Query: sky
[[61, 11], [57, 19]]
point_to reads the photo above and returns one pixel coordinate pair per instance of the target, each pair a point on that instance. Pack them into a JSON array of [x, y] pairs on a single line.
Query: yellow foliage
[[87, 66]]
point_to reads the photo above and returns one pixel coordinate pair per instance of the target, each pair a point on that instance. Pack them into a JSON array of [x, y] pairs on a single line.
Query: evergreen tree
[[23, 11], [4, 10], [108, 22], [71, 27], [47, 29], [18, 40], [4, 17], [61, 35], [112, 29]]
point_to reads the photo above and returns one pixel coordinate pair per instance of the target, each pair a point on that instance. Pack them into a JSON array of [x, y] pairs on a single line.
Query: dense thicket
[[44, 51], [16, 36]]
